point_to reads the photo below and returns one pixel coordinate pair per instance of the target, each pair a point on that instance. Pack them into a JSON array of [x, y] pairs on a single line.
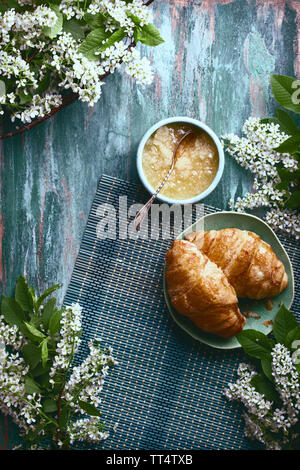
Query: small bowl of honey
[[199, 162]]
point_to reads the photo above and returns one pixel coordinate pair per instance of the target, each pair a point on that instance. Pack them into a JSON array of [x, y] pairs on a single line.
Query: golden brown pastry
[[249, 263], [200, 290]]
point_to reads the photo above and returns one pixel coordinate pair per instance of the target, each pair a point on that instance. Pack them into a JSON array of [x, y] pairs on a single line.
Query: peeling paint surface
[[214, 66]]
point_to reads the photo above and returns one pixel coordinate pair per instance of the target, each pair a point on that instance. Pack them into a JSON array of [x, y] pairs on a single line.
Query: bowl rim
[[198, 124]]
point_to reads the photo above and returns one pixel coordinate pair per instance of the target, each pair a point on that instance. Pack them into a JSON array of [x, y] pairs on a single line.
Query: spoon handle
[[141, 214]]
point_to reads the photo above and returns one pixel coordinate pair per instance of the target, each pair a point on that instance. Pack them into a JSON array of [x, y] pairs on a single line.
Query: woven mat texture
[[167, 391]]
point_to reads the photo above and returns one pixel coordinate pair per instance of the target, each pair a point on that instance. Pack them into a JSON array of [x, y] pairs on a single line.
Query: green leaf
[[43, 380], [39, 370], [47, 292], [283, 324], [292, 336], [285, 90], [134, 18], [294, 200], [12, 311], [23, 295], [53, 31], [54, 323], [31, 354], [2, 88], [63, 417], [44, 347], [92, 43], [44, 83], [291, 145], [114, 37], [255, 343], [89, 408], [288, 176], [48, 311], [266, 364], [49, 405], [24, 97], [264, 387], [150, 36], [32, 292], [12, 4], [287, 123], [136, 35], [34, 331], [31, 386], [35, 320], [74, 27], [58, 384], [270, 120], [95, 21]]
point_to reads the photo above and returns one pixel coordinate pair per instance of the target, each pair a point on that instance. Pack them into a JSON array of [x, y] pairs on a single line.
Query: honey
[[196, 165]]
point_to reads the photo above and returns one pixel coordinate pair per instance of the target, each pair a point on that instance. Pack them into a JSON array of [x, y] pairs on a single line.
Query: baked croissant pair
[[207, 272]]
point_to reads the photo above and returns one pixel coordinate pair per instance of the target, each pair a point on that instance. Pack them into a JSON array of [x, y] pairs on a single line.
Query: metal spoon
[[141, 214]]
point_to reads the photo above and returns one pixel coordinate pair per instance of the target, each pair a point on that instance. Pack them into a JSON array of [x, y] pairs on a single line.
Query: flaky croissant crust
[[249, 263], [199, 289]]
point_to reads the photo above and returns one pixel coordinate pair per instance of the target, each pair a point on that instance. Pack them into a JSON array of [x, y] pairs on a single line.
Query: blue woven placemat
[[167, 391]]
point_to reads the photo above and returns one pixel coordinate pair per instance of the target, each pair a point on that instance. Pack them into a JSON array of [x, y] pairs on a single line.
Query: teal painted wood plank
[[214, 66]]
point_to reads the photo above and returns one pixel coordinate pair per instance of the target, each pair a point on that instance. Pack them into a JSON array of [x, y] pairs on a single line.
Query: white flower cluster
[[256, 152], [116, 11], [88, 430], [14, 66], [287, 381], [242, 390], [7, 20], [139, 69], [21, 406], [287, 221], [80, 74], [30, 20], [40, 106], [10, 335], [14, 400], [29, 23], [265, 420], [69, 340], [23, 38], [86, 381], [84, 76]]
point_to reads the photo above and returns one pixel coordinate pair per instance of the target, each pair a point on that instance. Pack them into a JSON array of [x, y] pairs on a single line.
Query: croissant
[[199, 289], [249, 263]]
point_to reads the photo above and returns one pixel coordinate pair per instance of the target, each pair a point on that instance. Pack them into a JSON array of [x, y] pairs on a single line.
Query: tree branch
[[66, 101]]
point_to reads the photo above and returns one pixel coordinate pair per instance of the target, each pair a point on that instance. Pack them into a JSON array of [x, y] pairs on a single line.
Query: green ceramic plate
[[220, 220]]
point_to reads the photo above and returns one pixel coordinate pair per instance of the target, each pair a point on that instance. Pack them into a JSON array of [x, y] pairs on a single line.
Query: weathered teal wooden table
[[214, 66]]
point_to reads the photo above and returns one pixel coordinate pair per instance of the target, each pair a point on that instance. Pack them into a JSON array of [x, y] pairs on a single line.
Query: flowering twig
[[39, 389], [258, 153], [270, 391], [69, 99], [63, 59]]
